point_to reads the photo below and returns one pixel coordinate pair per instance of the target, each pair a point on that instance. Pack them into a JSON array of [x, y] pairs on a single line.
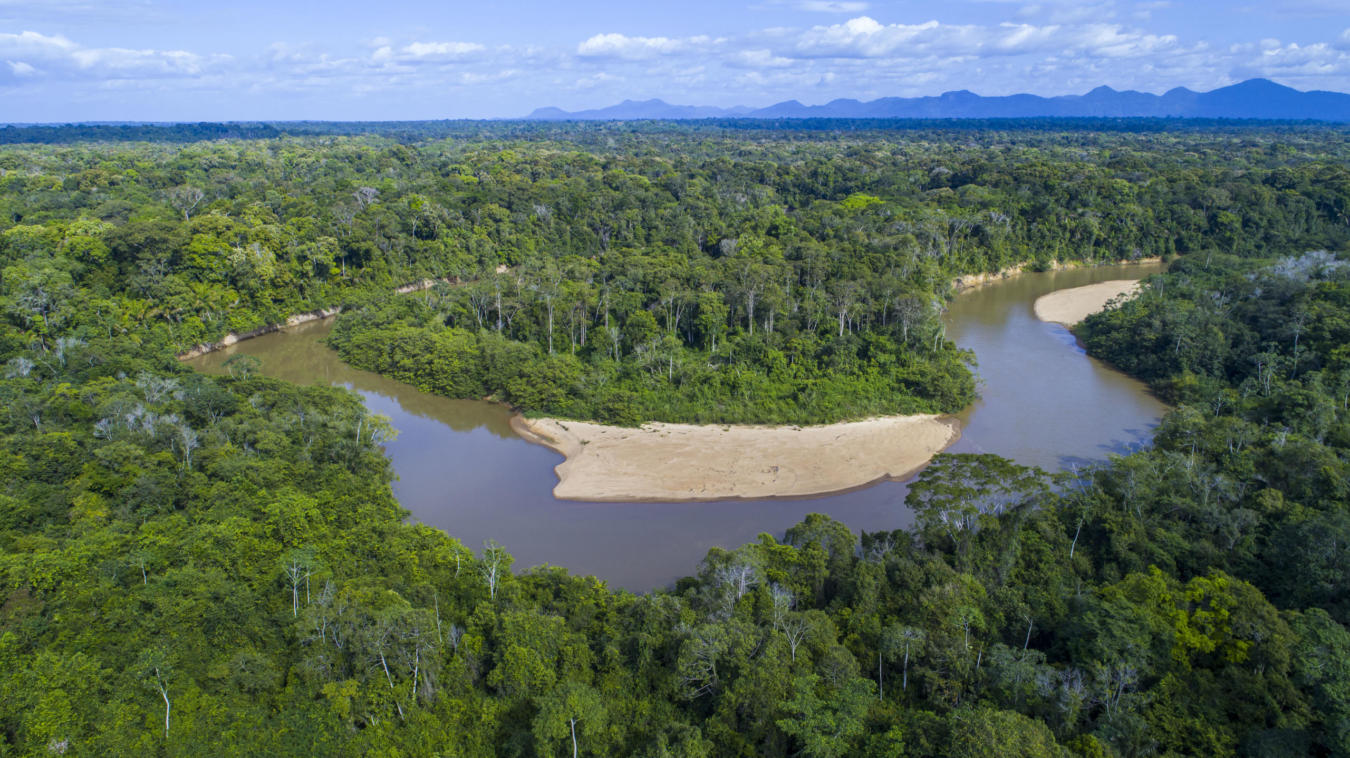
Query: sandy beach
[[685, 462], [1070, 306]]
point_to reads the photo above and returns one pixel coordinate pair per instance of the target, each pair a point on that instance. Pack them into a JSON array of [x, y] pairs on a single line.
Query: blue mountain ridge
[[1252, 99]]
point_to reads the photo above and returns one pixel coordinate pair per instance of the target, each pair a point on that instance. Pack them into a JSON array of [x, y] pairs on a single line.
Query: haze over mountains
[[1252, 99]]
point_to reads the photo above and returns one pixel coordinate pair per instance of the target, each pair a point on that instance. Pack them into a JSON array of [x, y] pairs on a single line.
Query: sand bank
[[970, 281], [1070, 306], [684, 462]]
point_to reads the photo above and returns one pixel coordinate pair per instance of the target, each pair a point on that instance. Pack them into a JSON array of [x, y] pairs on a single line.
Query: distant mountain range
[[1254, 99]]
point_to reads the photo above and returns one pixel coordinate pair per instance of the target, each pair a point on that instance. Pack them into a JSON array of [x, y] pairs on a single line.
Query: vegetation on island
[[782, 288], [197, 565]]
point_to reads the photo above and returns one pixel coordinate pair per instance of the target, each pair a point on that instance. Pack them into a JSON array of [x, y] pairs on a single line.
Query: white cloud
[[1291, 62], [864, 37], [623, 47], [33, 43], [58, 55], [470, 78], [1051, 47], [598, 79], [442, 50], [758, 59]]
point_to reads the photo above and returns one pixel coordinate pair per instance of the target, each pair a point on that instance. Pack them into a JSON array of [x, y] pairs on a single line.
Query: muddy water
[[462, 469]]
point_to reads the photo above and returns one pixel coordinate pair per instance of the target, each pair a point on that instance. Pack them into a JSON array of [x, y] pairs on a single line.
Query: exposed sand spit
[[684, 462], [1070, 306]]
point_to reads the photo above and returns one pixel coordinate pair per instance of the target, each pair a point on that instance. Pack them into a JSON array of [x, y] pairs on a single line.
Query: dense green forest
[[822, 306], [199, 565], [409, 132]]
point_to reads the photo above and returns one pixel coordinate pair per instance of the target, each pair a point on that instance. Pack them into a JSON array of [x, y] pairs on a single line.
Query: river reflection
[[461, 468]]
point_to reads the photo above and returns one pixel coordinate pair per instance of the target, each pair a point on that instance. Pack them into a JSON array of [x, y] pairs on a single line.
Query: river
[[462, 469]]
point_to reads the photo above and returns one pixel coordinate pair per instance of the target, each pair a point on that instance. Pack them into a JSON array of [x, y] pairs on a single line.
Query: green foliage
[[988, 733], [825, 723], [655, 378], [200, 565]]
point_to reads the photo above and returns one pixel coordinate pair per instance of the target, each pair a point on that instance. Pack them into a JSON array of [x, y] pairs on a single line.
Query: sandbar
[[688, 463], [1070, 306]]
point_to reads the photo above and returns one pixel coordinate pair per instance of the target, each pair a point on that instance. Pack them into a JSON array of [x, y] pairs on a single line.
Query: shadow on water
[[1137, 440], [461, 468], [1065, 337]]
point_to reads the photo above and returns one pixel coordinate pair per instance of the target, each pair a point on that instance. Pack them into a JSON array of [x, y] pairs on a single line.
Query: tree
[[751, 278], [183, 439], [825, 721], [698, 658], [156, 671], [548, 286], [961, 493], [988, 733], [1321, 666], [711, 319], [298, 568], [897, 639], [493, 565], [640, 328], [568, 708], [910, 311], [844, 296], [382, 639], [795, 628], [185, 199], [37, 291]]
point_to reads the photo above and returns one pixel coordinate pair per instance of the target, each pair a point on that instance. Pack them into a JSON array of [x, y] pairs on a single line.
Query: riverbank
[[461, 465], [688, 463], [1070, 306], [234, 338], [969, 281]]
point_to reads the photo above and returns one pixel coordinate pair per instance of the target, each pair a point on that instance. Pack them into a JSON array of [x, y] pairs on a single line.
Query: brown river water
[[462, 469]]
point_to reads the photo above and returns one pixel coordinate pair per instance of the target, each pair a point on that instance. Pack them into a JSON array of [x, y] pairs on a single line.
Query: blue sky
[[63, 60]]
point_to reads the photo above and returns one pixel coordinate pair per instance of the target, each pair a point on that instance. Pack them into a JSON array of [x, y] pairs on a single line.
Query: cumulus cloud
[[759, 59], [864, 37], [32, 53], [1290, 62], [442, 50], [623, 47], [1047, 47]]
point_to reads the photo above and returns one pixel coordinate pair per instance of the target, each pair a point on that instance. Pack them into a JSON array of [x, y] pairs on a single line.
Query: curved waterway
[[462, 469]]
